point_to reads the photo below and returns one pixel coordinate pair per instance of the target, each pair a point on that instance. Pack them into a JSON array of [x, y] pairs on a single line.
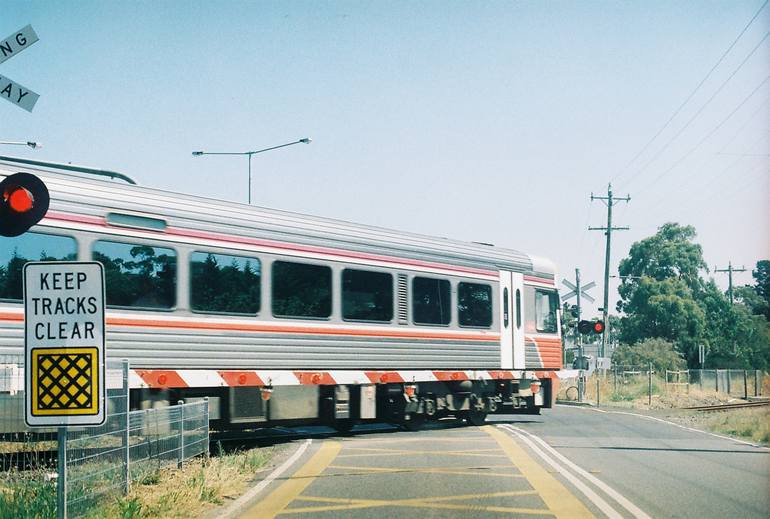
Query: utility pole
[[609, 201], [730, 271]]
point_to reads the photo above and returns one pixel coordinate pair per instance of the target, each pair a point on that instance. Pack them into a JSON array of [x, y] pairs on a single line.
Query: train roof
[[76, 192]]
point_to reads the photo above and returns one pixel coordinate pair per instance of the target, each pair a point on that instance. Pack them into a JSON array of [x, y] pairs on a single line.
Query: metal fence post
[[61, 481], [649, 385], [745, 385], [728, 382], [206, 423], [716, 378], [700, 379], [180, 459], [756, 383], [126, 431], [597, 387]]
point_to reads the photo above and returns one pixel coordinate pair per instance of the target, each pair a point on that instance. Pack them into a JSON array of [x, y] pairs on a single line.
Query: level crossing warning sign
[[64, 343]]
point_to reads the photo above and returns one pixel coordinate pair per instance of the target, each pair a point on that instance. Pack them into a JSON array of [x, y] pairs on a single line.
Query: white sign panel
[[15, 93], [64, 343], [17, 42]]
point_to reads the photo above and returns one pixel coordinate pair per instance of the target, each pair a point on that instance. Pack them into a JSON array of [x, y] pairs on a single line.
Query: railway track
[[727, 407]]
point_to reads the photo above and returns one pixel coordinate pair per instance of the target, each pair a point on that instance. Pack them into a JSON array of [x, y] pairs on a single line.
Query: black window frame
[[214, 312], [175, 291], [552, 296], [36, 231], [311, 317], [448, 306], [367, 271], [491, 305]]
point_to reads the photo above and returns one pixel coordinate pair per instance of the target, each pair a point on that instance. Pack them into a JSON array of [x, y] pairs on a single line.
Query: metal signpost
[[9, 47], [64, 359], [578, 291]]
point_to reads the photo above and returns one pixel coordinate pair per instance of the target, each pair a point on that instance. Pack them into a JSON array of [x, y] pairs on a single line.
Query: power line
[[708, 135], [700, 110], [697, 87]]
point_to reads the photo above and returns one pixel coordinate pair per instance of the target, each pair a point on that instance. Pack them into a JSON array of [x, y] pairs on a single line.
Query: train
[[279, 318]]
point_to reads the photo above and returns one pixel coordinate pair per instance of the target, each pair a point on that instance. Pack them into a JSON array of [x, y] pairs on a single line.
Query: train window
[[367, 296], [223, 283], [32, 246], [137, 275], [546, 304], [474, 305], [518, 309], [431, 301], [505, 307], [301, 290]]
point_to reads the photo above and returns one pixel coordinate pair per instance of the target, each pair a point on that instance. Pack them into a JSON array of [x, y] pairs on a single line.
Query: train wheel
[[413, 421], [477, 418], [344, 426]]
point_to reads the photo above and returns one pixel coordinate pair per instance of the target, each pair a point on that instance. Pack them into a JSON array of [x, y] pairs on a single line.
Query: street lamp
[[33, 145], [306, 140]]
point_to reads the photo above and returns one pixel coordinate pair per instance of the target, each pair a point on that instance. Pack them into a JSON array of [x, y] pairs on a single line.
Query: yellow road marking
[[394, 452], [463, 471], [279, 498], [420, 502], [556, 497], [431, 439]]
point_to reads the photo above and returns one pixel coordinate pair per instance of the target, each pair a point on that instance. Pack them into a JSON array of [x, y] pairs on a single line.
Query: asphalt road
[[568, 462]]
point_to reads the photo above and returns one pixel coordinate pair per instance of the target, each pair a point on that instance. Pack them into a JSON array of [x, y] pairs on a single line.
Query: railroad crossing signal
[[24, 200], [574, 290], [9, 47], [586, 327], [64, 343]]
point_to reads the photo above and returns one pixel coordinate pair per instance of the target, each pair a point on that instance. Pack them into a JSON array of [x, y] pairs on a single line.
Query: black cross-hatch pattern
[[64, 380]]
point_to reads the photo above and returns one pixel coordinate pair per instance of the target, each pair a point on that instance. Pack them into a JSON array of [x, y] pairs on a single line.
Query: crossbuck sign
[[9, 47], [64, 343]]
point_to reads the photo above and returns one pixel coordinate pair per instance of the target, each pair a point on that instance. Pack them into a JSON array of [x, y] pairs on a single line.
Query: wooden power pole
[[609, 201]]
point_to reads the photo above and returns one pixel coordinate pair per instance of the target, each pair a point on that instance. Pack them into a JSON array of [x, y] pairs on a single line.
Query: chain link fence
[[643, 383], [101, 461]]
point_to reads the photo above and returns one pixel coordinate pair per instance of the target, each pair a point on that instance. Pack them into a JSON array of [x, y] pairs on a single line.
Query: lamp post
[[306, 140], [33, 145]]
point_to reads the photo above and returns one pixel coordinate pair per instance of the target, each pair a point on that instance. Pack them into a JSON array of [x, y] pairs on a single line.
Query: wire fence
[[643, 383], [101, 461]]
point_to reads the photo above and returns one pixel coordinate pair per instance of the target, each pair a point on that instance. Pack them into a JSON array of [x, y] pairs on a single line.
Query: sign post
[[64, 359]]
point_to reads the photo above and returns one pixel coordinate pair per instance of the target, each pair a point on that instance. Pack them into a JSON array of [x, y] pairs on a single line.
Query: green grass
[[27, 496]]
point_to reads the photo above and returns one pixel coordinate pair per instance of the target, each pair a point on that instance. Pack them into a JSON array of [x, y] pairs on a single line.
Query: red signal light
[[24, 201], [599, 327], [19, 199]]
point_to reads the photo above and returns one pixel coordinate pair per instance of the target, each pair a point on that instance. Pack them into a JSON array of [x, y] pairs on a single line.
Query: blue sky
[[483, 121]]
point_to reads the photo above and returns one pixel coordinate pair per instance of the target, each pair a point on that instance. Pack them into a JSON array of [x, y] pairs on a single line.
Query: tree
[[661, 353], [762, 276], [663, 295]]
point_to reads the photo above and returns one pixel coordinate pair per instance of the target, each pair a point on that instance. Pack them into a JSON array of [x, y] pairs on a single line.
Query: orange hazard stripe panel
[[241, 378], [161, 378]]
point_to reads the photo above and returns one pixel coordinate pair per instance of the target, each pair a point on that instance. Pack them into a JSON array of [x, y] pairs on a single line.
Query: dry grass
[[191, 492], [748, 424]]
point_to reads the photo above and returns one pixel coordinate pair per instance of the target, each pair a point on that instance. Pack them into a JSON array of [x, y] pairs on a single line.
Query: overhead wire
[[693, 92], [703, 181], [708, 135], [700, 110]]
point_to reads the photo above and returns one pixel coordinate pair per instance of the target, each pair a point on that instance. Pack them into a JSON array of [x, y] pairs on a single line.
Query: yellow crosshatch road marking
[[557, 498], [289, 498], [65, 381]]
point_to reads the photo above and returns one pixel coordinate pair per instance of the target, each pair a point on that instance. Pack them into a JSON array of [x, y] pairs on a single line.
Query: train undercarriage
[[342, 406]]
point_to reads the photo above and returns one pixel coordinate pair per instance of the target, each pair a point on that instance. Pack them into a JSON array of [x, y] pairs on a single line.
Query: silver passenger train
[[279, 317]]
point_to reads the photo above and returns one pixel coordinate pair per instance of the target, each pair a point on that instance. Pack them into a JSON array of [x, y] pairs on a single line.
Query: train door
[[511, 326], [507, 321], [517, 297]]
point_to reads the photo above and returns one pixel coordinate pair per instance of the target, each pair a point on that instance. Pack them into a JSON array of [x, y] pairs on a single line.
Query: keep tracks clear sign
[[64, 343]]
